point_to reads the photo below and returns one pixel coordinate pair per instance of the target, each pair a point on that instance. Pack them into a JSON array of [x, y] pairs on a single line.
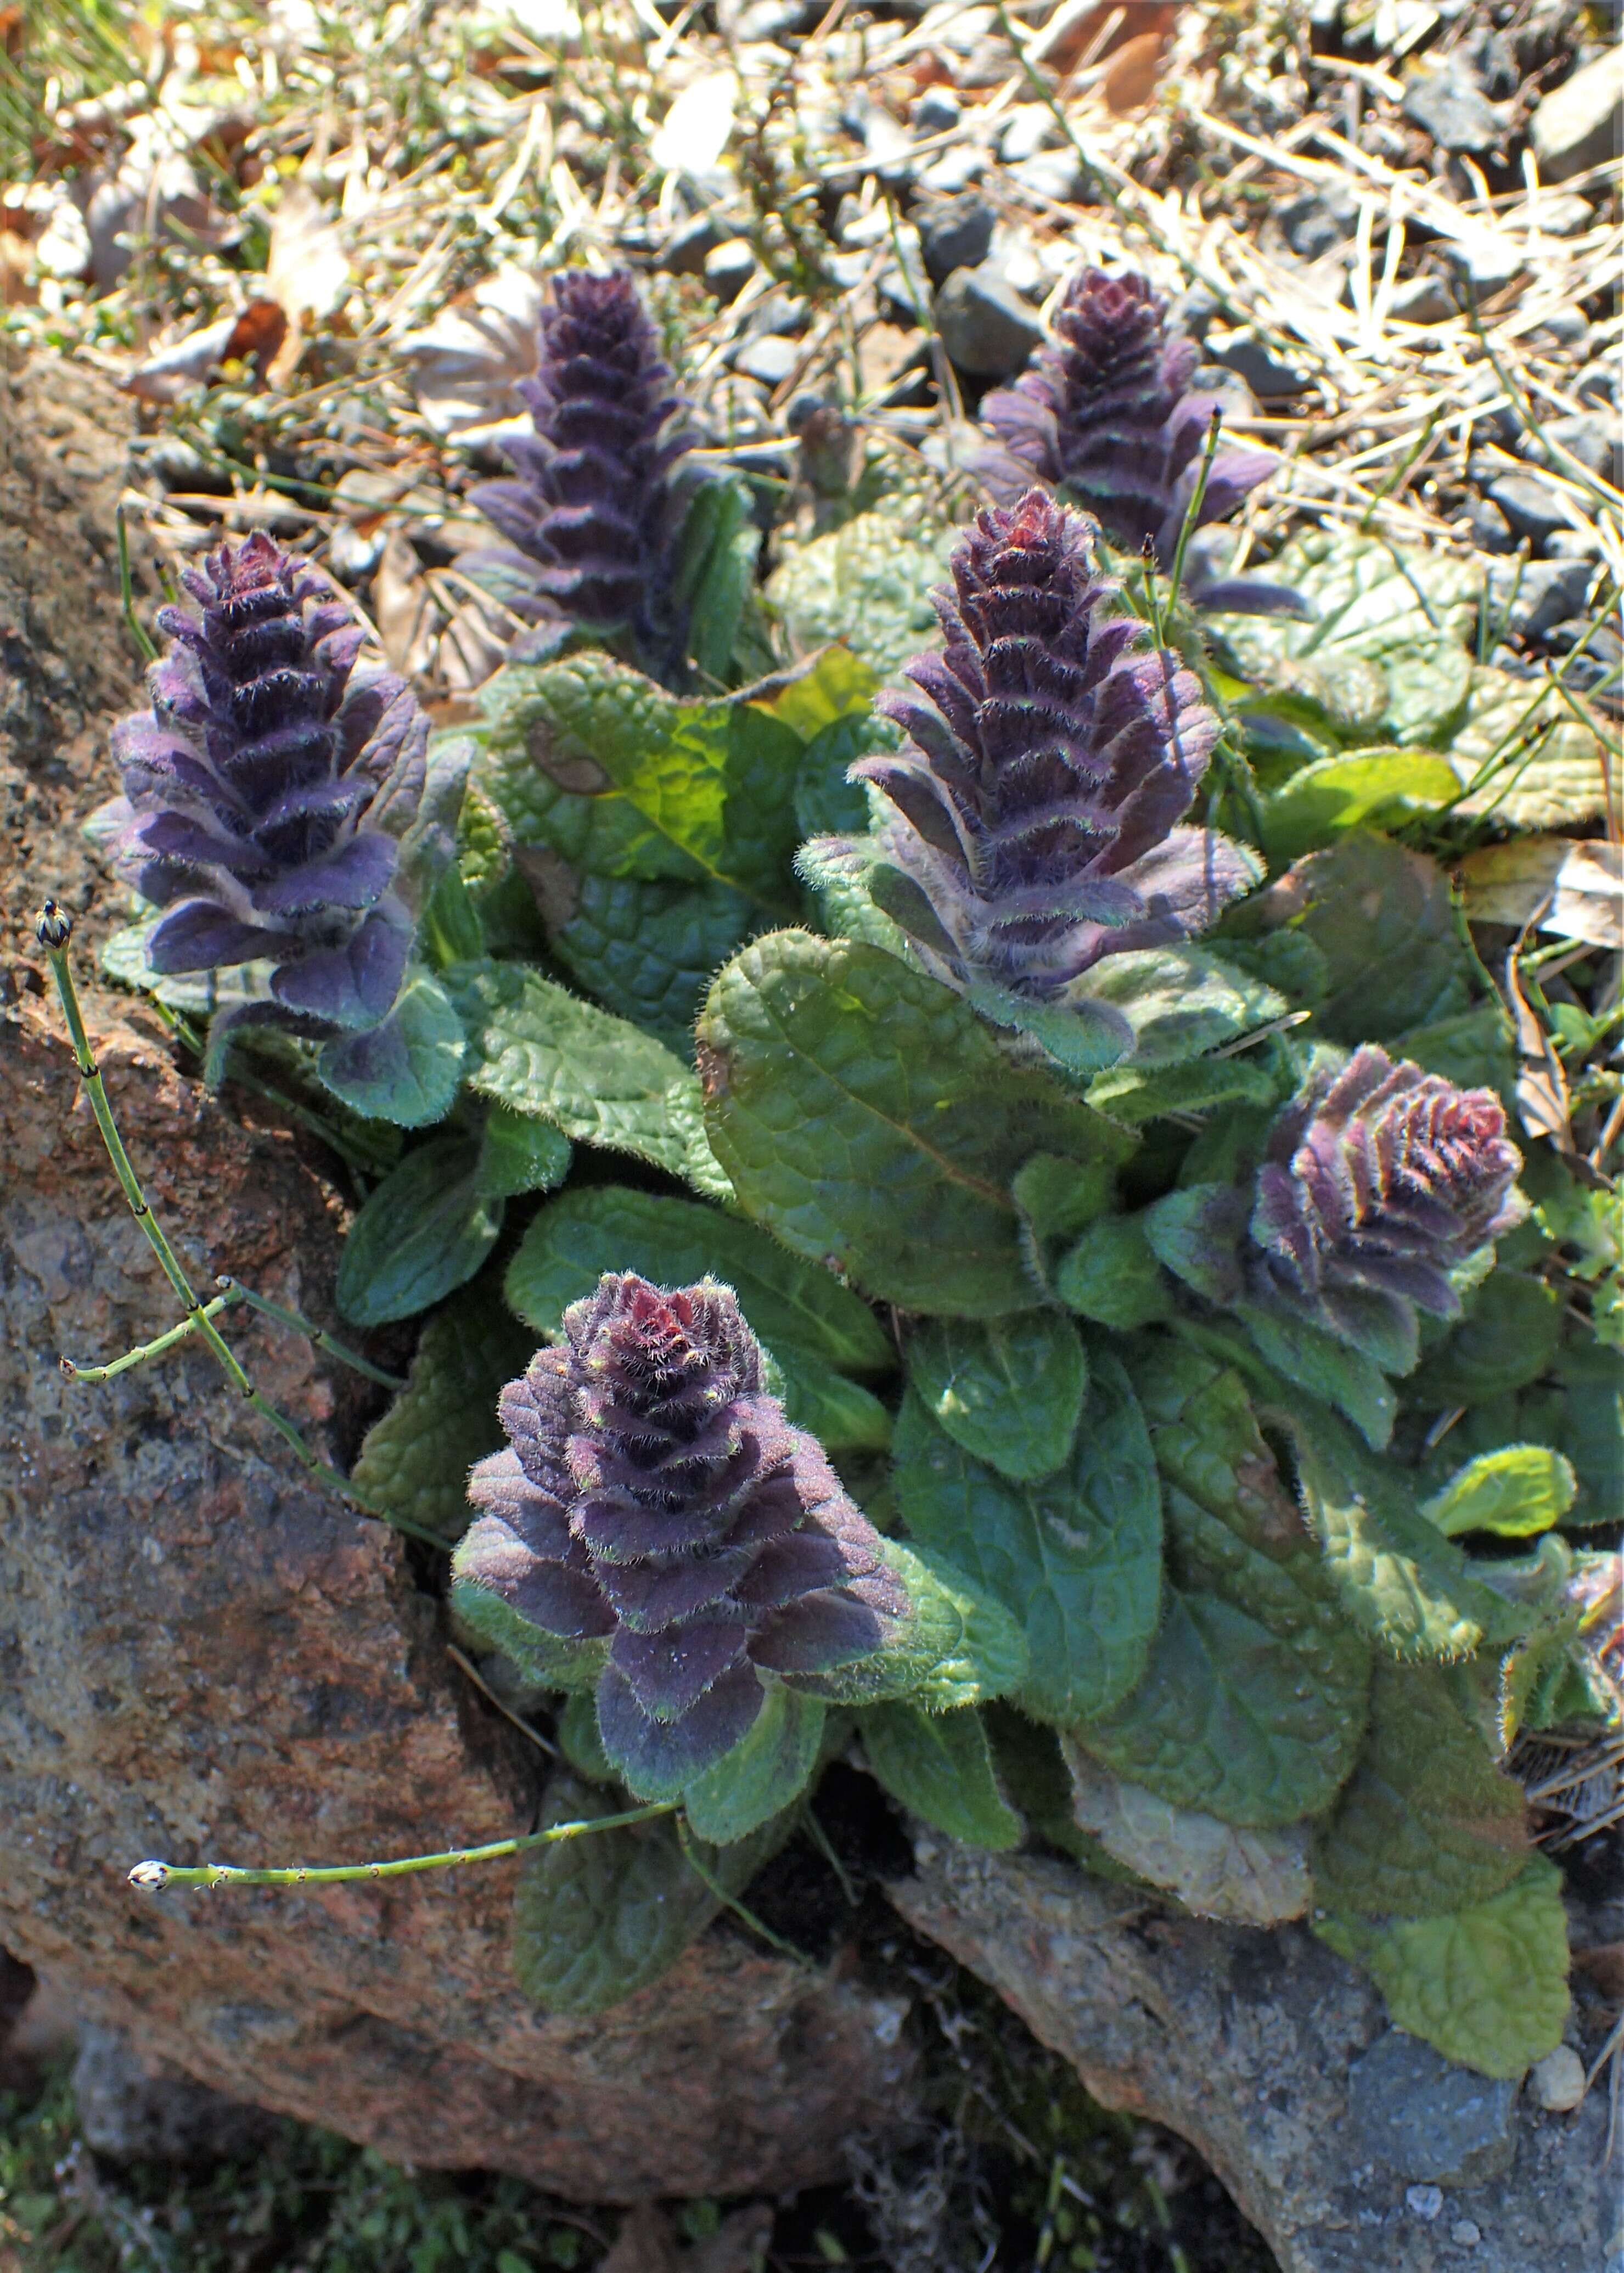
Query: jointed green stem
[[238, 1293], [138, 629], [142, 1351], [1193, 511], [153, 1878], [745, 1916], [54, 930]]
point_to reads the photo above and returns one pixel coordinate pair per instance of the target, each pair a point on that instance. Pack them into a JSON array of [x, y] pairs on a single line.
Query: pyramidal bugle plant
[[1074, 1255]]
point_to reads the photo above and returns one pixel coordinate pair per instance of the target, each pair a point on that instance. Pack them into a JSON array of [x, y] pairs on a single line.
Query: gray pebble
[[1030, 127], [955, 234], [1056, 175], [1424, 2201], [1528, 598], [769, 359], [987, 329], [729, 268], [1528, 506], [938, 111], [1317, 221], [1427, 2120], [1260, 364], [1491, 530], [686, 253], [1456, 114]]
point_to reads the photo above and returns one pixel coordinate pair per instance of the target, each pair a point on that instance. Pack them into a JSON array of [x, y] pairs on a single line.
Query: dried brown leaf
[[1574, 891]]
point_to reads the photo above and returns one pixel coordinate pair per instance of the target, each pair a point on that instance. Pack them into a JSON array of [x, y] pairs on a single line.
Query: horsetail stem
[[155, 1878], [54, 929]]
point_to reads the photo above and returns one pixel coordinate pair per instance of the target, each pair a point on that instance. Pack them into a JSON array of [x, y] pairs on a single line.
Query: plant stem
[[54, 929], [126, 589], [238, 1293], [746, 1916], [140, 1355], [153, 1877], [1193, 511]]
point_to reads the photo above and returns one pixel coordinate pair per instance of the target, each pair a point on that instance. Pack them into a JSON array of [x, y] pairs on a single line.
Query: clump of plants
[[1076, 1256]]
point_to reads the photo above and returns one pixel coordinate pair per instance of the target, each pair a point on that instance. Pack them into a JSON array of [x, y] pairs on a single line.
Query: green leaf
[[867, 583], [961, 1646], [581, 1740], [1528, 761], [1254, 1699], [534, 1046], [519, 1154], [1514, 1492], [414, 1461], [1427, 1823], [715, 561], [1079, 1036], [1375, 789], [939, 1766], [816, 1328], [832, 688], [646, 950], [1196, 1231], [1383, 921], [1252, 1878], [1009, 1390], [540, 1659], [1475, 1050], [1112, 1276], [826, 803], [452, 931], [406, 1070], [1343, 1377], [1135, 1097], [421, 1234], [1507, 1337], [1076, 1558], [1179, 1001], [1486, 1985], [589, 757], [1403, 1582], [597, 1918], [764, 1773], [863, 1112], [839, 873], [1371, 599]]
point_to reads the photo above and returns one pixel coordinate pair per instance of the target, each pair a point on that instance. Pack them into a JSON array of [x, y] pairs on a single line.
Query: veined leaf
[[867, 583], [406, 1071], [939, 1766], [1382, 920], [1252, 1701], [421, 1234], [1514, 1492], [414, 1461], [1252, 1877], [959, 1647], [518, 1154], [1009, 1390], [648, 950], [535, 1047], [1178, 1000], [765, 1772], [1486, 1985], [1427, 1823], [863, 1113], [1374, 789], [1076, 1557]]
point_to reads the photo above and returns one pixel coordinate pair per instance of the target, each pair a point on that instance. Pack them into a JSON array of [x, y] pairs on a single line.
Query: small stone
[[1425, 2119], [1490, 531], [1457, 115], [729, 266], [987, 329], [1597, 382], [1058, 176], [1316, 223], [769, 360], [1197, 310], [938, 111], [1574, 545], [735, 410], [1578, 124], [1591, 436], [955, 234], [1557, 2082], [1424, 299], [132, 2115], [954, 170], [1566, 328], [1030, 127], [1485, 261], [1264, 371], [1228, 388], [1528, 598], [1466, 2231], [1528, 506], [1424, 2201], [1564, 215], [1487, 60], [686, 253]]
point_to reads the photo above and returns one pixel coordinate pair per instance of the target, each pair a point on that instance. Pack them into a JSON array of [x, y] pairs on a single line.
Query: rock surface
[[201, 1658], [1250, 2044], [1581, 124]]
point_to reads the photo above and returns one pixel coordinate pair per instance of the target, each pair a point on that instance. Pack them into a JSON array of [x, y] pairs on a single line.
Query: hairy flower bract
[[1107, 415], [653, 1496], [1378, 1181], [1036, 799], [268, 791], [591, 514]]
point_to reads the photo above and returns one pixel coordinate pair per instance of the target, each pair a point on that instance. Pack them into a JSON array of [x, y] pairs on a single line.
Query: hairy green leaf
[[765, 1772], [597, 1918], [406, 1071], [867, 583], [534, 1046], [1374, 789], [414, 1461], [1527, 761], [1427, 1823], [1486, 1985], [1514, 1492], [1076, 1557], [1252, 1701], [961, 1646], [1326, 1368], [1009, 1390], [1178, 1000], [519, 1154], [864, 1113], [647, 949], [1112, 1276], [939, 1766], [1382, 919], [1506, 1338], [420, 1235]]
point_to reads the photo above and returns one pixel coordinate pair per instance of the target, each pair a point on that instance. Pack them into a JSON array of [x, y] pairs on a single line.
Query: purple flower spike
[[266, 791], [1106, 415], [653, 1496], [591, 514], [1036, 796], [1378, 1181]]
